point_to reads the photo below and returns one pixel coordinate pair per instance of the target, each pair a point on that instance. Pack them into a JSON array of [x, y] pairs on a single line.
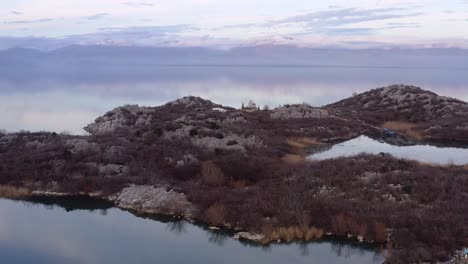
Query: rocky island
[[247, 169]]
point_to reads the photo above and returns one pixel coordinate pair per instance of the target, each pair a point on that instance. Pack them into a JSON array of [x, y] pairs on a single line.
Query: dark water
[[422, 153], [52, 232], [69, 101]]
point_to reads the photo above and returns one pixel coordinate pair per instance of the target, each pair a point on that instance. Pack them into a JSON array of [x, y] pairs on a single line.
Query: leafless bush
[[212, 174], [216, 214]]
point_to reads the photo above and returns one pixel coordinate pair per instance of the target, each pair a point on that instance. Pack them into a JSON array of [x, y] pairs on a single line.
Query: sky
[[49, 24]]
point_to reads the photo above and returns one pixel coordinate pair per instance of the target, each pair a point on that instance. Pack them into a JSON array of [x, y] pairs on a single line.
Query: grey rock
[[299, 111], [80, 145], [124, 116], [154, 200], [249, 236]]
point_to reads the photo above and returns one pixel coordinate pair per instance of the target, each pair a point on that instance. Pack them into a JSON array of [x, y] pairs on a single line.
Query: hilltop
[[246, 169], [420, 114]]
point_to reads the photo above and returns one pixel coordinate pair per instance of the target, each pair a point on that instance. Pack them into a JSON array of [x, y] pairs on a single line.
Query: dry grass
[[409, 129], [291, 233], [299, 145], [292, 158], [13, 192], [303, 142], [399, 125]]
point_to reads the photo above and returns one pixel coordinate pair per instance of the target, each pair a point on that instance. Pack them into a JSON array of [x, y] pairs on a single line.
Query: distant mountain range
[[76, 57]]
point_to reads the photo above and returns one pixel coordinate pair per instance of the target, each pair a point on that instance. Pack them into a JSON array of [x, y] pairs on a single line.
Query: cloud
[[402, 25], [97, 16], [343, 17], [136, 35], [335, 20], [136, 4], [42, 20], [16, 13], [348, 31]]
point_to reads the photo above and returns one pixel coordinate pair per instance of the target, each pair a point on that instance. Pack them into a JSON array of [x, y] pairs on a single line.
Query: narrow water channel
[[422, 153]]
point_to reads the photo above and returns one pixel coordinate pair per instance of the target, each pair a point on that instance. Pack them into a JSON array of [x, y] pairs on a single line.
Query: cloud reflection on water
[[54, 235]]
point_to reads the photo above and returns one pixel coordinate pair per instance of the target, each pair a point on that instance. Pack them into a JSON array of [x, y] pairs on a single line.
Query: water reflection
[[54, 235], [177, 227], [68, 102], [422, 153]]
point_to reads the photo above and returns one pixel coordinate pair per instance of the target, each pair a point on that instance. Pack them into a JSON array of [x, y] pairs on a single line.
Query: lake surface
[[53, 232], [422, 153], [68, 102]]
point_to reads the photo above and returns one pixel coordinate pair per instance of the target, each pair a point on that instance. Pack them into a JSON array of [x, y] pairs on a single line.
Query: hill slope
[[405, 108]]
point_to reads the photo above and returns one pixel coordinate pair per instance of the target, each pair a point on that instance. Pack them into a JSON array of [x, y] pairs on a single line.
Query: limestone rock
[[154, 200], [249, 236], [124, 116], [299, 111], [80, 145]]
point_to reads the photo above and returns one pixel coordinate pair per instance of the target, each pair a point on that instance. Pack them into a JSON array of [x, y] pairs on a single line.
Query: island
[[248, 169]]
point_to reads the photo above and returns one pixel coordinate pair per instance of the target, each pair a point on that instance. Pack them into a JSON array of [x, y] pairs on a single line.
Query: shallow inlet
[[51, 232], [422, 153]]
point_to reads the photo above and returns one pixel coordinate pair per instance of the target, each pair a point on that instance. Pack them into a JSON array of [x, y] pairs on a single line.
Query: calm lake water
[[68, 102], [96, 233], [423, 153]]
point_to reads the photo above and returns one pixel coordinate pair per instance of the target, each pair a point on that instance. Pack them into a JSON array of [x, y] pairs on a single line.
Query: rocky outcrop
[[415, 103], [80, 145], [194, 102], [228, 142], [110, 170], [248, 236], [299, 111], [188, 159], [124, 116], [154, 200]]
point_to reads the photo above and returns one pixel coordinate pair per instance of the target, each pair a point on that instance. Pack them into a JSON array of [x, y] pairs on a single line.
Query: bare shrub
[[380, 232], [216, 214], [339, 224], [239, 184], [212, 174]]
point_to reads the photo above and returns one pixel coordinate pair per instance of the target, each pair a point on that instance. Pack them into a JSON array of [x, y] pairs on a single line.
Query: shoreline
[[241, 235]]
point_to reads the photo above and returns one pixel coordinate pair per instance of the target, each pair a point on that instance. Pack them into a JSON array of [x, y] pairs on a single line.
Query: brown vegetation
[[299, 145], [216, 214], [291, 158], [409, 129], [212, 174], [13, 192], [288, 234]]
